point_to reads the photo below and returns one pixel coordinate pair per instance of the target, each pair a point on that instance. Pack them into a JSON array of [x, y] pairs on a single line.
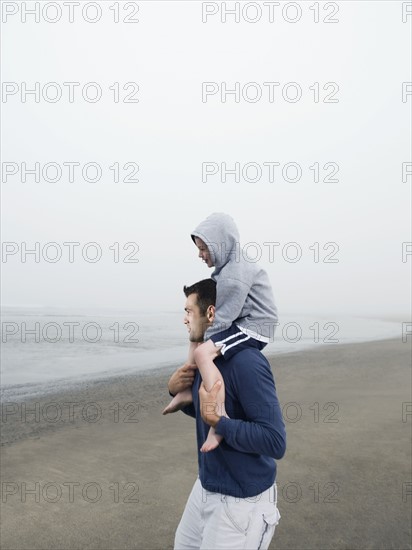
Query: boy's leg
[[184, 397], [180, 400], [204, 356]]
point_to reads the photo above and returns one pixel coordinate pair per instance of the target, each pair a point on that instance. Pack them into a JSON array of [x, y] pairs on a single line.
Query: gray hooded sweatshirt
[[243, 291]]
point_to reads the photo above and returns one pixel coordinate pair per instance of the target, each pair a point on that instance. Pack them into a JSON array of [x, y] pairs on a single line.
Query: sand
[[110, 472]]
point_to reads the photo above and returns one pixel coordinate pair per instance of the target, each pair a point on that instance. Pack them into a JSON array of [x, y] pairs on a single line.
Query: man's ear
[[210, 313]]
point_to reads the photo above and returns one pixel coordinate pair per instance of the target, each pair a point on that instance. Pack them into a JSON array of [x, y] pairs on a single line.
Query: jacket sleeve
[[263, 431], [189, 410], [231, 296]]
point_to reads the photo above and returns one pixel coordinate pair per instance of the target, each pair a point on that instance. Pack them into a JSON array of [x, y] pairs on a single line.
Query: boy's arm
[[231, 296]]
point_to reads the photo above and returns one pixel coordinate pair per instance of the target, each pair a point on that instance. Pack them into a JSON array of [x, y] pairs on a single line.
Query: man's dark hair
[[205, 292]]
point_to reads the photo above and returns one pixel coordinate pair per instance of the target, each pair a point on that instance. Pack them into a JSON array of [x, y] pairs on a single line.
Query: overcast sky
[[335, 104]]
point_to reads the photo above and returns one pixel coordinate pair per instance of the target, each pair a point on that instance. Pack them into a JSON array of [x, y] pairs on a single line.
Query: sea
[[51, 349]]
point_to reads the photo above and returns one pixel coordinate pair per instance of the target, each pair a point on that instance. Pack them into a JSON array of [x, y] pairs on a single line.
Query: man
[[233, 501]]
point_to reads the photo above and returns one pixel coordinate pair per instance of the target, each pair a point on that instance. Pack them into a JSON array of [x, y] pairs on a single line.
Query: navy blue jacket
[[243, 464]]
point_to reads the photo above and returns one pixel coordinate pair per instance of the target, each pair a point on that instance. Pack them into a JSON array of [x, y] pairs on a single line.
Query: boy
[[246, 314]]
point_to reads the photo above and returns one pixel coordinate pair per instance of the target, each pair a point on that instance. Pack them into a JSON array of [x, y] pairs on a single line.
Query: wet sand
[[99, 467]]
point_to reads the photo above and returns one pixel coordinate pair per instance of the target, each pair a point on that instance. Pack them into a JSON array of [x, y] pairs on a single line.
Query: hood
[[219, 232]]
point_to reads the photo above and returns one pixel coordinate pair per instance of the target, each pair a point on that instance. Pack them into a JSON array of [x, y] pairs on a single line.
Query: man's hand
[[208, 403], [182, 379]]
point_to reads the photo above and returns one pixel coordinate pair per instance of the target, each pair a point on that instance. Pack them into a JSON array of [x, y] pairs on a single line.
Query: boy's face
[[204, 252], [195, 322]]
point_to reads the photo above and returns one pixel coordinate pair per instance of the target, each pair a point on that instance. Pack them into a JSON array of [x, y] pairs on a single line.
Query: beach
[[99, 467]]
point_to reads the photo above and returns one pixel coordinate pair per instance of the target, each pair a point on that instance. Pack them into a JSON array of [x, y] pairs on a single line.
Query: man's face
[[204, 252], [195, 322]]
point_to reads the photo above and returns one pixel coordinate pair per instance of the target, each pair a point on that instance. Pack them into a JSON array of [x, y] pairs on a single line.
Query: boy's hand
[[182, 378]]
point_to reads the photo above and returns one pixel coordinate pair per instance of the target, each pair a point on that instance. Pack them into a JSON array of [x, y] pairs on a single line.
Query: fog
[[309, 153]]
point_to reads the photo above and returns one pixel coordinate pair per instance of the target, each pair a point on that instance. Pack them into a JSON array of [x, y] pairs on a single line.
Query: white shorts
[[212, 521]]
